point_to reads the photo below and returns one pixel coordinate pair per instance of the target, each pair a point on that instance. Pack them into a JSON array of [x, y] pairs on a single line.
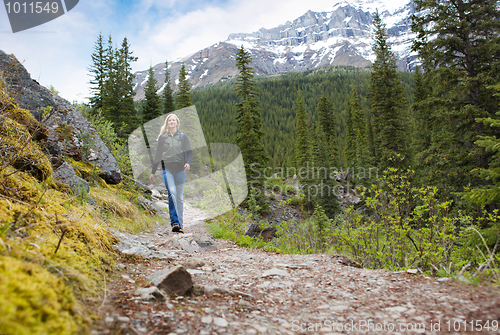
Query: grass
[[231, 226], [119, 210]]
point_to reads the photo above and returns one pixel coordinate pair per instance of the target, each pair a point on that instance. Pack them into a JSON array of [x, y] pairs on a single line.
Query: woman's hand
[[152, 178], [186, 167]]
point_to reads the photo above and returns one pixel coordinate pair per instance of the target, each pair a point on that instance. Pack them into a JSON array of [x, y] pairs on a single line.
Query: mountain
[[339, 36]]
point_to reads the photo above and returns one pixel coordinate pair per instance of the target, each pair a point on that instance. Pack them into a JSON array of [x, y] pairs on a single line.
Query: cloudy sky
[[58, 52]]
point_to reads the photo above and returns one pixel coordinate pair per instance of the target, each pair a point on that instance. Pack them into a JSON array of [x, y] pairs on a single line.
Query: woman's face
[[172, 122]]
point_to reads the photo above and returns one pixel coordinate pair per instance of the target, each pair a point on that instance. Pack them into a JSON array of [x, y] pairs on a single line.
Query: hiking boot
[[176, 228], [180, 231]]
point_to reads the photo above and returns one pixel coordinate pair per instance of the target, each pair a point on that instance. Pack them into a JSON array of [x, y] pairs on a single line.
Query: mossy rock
[[22, 116], [87, 171], [6, 101], [19, 151]]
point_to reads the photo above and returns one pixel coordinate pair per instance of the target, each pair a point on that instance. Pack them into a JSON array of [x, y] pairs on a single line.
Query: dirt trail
[[292, 294]]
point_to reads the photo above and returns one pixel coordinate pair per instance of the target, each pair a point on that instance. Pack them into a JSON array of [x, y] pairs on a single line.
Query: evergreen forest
[[216, 106]]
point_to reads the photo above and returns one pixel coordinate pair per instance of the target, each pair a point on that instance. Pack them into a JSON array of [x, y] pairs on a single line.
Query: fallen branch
[[63, 230], [464, 268]]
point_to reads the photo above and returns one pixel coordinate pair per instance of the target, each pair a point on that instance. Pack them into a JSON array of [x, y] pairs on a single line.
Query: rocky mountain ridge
[[340, 36]]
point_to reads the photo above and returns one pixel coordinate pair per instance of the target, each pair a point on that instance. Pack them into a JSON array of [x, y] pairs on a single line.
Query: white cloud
[[58, 52]]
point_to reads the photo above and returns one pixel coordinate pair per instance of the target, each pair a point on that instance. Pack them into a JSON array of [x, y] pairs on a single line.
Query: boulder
[[66, 174], [253, 230], [68, 131], [176, 280]]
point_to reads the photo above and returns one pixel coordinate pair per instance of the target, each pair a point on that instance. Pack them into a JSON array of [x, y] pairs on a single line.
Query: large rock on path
[[176, 280]]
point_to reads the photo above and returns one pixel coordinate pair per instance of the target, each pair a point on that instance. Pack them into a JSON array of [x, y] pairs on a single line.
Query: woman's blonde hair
[[164, 128]]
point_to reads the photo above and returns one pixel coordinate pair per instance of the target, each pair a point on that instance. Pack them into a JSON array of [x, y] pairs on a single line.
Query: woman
[[175, 154]]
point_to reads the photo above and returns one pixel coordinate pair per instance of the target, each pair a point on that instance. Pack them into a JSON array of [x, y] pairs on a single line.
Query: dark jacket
[[166, 144]]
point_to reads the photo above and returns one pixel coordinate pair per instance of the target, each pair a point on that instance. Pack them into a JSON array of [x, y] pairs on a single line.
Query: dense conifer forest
[[278, 93]]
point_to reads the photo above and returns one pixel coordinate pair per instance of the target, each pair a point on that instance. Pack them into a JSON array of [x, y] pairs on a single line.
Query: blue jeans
[[174, 182]]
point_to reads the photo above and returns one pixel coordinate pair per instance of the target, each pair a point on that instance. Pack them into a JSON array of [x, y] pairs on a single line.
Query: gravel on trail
[[250, 291]]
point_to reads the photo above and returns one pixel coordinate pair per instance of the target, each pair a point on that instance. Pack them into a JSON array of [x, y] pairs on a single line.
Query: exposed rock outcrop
[[68, 131], [66, 175]]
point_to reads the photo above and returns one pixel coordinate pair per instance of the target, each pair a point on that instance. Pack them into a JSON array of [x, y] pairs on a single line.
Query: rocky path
[[254, 292]]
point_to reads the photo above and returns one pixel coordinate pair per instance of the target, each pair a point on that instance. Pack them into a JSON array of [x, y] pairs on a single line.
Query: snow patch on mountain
[[340, 35]]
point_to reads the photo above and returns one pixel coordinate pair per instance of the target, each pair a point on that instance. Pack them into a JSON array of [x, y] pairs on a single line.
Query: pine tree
[[362, 151], [323, 186], [128, 113], [370, 141], [151, 108], [184, 95], [303, 145], [357, 145], [248, 142], [422, 122], [303, 151], [325, 111], [246, 88], [118, 102], [458, 43], [167, 95], [326, 117], [98, 70], [488, 194], [387, 101], [350, 145], [110, 94], [248, 126]]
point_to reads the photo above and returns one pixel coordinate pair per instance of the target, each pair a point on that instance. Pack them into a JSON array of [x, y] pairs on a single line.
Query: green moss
[[85, 256], [24, 117], [33, 301], [43, 286], [6, 101], [88, 172], [18, 184], [19, 151]]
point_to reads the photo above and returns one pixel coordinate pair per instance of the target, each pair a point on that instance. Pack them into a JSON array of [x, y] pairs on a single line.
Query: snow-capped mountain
[[342, 35]]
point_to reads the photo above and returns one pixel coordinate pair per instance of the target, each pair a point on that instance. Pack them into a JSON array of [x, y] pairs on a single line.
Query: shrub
[[401, 226]]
